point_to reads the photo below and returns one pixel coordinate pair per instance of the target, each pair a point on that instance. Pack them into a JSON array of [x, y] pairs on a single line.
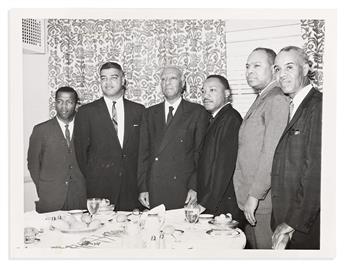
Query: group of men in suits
[[264, 169]]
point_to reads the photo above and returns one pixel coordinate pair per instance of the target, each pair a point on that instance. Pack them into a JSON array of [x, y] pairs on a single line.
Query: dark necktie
[[68, 135], [170, 115], [114, 116]]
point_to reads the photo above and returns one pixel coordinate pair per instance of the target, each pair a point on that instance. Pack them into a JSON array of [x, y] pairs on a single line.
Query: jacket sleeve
[[200, 130], [35, 154], [82, 139], [275, 120], [144, 154], [222, 163], [306, 204]]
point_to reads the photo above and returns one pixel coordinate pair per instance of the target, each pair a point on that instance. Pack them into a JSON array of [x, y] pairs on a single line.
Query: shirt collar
[[267, 86], [62, 123], [175, 105], [214, 114], [109, 102], [300, 95]]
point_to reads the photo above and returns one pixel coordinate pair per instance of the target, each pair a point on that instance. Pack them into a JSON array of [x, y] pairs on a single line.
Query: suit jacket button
[[174, 178], [66, 182], [120, 173], [156, 159], [124, 156], [70, 166], [229, 197]]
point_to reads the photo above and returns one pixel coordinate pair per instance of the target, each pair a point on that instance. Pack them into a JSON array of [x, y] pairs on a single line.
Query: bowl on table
[[205, 218]]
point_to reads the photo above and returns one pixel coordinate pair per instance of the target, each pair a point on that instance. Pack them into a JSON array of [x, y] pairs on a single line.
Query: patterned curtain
[[77, 49], [313, 33]]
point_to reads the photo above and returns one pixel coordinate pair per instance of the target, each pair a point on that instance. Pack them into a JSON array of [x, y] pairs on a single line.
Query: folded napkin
[[160, 210]]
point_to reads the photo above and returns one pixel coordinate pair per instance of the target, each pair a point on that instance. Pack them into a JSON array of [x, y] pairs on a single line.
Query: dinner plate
[[230, 224], [87, 229], [224, 232]]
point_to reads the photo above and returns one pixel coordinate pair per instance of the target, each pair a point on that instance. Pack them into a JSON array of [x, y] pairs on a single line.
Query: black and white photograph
[[172, 133]]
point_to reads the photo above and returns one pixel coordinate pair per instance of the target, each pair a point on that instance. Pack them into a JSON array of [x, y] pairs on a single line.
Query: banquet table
[[112, 234]]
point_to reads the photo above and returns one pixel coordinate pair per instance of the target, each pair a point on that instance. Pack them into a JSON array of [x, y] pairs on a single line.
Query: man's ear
[[227, 93], [306, 69]]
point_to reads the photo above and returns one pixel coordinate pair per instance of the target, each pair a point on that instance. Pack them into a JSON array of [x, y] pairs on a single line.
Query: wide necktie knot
[[67, 135], [170, 115]]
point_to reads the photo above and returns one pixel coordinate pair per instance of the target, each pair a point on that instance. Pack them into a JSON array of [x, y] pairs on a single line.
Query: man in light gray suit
[[259, 134], [52, 163]]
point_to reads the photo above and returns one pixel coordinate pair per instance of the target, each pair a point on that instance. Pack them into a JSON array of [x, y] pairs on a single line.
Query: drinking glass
[[93, 205], [192, 213]]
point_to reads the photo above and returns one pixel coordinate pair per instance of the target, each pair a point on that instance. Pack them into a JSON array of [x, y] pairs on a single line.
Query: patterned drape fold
[[78, 47], [313, 33]]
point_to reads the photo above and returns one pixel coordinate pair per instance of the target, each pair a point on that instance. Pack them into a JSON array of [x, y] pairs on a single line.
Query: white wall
[[36, 100], [242, 36]]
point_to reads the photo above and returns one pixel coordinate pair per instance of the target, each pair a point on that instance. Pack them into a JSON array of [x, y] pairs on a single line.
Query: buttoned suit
[[110, 170], [296, 174], [259, 134], [169, 155], [54, 169]]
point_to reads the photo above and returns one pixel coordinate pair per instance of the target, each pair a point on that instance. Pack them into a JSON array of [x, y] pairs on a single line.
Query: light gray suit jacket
[[259, 134]]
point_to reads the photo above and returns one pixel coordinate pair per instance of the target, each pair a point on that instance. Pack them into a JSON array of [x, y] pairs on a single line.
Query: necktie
[[170, 115], [67, 135], [291, 106], [114, 116]]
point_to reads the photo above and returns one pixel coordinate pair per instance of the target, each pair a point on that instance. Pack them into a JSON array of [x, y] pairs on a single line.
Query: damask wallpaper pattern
[[313, 33], [78, 47]]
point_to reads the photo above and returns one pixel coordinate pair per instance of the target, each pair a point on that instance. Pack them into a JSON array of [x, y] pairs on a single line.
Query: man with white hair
[[171, 135], [296, 169]]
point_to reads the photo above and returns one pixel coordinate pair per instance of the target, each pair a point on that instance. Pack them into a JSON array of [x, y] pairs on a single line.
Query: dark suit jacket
[[169, 156], [110, 170], [54, 169], [296, 174], [217, 164]]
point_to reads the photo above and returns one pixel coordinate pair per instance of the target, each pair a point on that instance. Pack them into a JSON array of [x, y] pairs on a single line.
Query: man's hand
[[191, 197], [144, 199], [249, 209], [201, 208], [281, 236]]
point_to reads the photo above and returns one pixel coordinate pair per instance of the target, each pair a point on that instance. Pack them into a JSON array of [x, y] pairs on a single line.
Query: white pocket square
[[135, 125]]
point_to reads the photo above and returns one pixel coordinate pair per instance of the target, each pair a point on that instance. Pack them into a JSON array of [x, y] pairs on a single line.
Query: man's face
[[65, 104], [214, 94], [112, 82], [171, 83], [290, 72], [258, 70]]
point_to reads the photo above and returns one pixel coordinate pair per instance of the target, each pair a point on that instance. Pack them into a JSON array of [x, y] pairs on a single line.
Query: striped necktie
[[114, 116], [291, 107]]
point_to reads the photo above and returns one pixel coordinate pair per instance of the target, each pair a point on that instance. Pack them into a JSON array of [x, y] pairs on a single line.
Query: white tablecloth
[[110, 235]]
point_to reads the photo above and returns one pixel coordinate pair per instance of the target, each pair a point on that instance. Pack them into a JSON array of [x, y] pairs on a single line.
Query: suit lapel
[[170, 130], [299, 110], [259, 99], [58, 131], [104, 116]]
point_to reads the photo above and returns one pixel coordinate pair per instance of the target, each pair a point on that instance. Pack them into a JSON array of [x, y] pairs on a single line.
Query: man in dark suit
[[296, 170], [107, 141], [170, 142], [217, 162], [51, 158]]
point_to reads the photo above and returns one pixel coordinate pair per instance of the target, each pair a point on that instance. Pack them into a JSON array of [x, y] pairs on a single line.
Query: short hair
[[67, 89], [110, 65], [271, 55], [182, 76], [113, 65], [303, 55], [224, 81]]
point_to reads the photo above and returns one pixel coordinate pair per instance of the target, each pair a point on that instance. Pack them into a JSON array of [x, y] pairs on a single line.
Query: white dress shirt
[[300, 95], [63, 128], [175, 106], [120, 113]]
